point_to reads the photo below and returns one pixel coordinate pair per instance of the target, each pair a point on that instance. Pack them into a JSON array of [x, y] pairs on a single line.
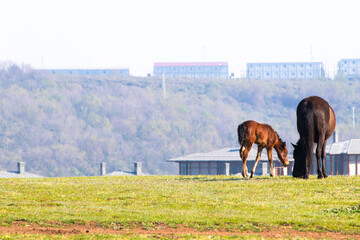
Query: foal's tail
[[241, 133]]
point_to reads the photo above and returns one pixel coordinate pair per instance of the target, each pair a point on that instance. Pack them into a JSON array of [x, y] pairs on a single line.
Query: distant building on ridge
[[350, 68], [88, 72], [227, 161], [192, 69], [343, 158], [285, 70]]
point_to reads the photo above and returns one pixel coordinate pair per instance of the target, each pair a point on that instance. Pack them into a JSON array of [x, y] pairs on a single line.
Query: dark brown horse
[[315, 123], [250, 132]]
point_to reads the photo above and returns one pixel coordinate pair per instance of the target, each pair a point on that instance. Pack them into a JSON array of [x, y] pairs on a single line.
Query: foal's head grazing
[[282, 151]]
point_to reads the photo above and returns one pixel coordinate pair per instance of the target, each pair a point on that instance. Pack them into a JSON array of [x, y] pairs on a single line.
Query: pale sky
[[136, 33]]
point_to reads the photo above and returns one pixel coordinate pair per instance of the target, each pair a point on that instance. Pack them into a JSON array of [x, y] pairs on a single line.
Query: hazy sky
[[136, 33]]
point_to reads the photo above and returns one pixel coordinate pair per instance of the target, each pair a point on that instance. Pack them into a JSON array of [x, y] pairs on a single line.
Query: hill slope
[[67, 125]]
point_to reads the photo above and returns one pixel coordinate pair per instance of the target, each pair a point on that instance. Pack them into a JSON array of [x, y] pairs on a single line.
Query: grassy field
[[197, 202]]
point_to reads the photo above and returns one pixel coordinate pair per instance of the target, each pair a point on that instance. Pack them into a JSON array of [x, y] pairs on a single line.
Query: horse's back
[[252, 127], [266, 135], [247, 130], [332, 123], [259, 133], [315, 116]]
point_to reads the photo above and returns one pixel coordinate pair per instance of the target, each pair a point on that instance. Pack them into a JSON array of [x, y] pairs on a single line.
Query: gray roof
[[226, 155], [351, 146], [120, 173], [13, 174]]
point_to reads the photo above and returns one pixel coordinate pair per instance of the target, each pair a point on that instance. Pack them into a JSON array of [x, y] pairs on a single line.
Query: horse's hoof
[[325, 176], [306, 176], [320, 176], [298, 176]]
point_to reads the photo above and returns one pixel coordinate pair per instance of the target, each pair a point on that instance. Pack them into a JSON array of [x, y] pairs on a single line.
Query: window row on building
[[282, 75], [227, 162], [192, 69], [342, 158], [299, 70], [284, 66], [90, 72], [343, 165], [234, 167], [349, 68]]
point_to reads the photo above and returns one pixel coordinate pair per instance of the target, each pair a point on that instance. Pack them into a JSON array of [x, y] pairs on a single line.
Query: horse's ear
[[293, 145]]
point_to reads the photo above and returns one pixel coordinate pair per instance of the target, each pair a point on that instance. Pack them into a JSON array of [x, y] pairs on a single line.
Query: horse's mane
[[279, 137]]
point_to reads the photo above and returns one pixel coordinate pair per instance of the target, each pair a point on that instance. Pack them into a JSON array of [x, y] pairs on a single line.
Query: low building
[[285, 70], [343, 158], [227, 161], [88, 72], [20, 173], [218, 70], [350, 68], [137, 171]]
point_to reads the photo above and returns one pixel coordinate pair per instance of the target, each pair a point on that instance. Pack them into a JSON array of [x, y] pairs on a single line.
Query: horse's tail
[[241, 133], [307, 125]]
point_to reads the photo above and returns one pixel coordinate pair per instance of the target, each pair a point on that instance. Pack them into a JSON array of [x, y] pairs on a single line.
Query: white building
[[343, 158], [350, 68], [227, 161], [285, 70]]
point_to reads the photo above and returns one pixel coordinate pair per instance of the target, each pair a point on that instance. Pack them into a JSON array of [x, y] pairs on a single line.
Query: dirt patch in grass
[[56, 228]]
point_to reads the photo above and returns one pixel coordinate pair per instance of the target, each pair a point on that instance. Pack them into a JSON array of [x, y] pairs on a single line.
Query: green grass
[[201, 202]]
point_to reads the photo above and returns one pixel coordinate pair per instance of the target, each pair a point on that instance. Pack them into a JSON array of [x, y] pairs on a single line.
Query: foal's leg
[[244, 152], [244, 158], [270, 157], [256, 161], [242, 149]]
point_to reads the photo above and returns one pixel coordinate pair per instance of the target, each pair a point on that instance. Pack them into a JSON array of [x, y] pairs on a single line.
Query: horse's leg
[[244, 168], [244, 152], [309, 159], [242, 149], [323, 157], [319, 150], [241, 153], [256, 161], [270, 158]]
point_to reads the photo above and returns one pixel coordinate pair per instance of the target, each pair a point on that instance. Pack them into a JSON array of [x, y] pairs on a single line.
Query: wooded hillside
[[66, 125]]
